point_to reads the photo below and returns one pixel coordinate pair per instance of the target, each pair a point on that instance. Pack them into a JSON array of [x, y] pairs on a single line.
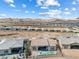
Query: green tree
[[14, 58], [27, 50]]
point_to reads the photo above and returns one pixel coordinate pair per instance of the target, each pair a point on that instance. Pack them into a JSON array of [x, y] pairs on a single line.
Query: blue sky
[[39, 8]]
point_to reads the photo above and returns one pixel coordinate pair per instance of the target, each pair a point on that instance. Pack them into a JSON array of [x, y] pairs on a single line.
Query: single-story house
[[69, 42], [12, 46], [41, 46]]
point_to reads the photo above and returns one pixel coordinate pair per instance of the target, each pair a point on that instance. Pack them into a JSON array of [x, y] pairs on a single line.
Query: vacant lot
[[31, 34], [71, 52], [68, 54]]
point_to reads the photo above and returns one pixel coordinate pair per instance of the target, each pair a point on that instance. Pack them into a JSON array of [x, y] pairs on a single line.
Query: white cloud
[[74, 9], [43, 14], [66, 9], [44, 7], [24, 6], [74, 2], [54, 13], [9, 1], [12, 5], [26, 11], [51, 3], [33, 11], [67, 12], [17, 10], [47, 3], [3, 15], [51, 13], [39, 2]]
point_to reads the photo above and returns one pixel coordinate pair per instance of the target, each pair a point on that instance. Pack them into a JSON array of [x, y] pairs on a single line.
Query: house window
[[6, 52], [16, 50], [43, 48], [74, 46]]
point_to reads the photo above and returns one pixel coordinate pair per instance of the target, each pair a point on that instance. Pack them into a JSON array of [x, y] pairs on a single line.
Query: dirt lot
[[31, 33], [68, 54], [71, 52]]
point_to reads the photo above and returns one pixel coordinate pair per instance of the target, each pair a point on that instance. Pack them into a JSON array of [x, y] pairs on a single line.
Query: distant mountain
[[77, 18], [38, 20]]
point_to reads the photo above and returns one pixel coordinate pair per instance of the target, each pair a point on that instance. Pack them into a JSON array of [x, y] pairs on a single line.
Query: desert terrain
[[68, 53]]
